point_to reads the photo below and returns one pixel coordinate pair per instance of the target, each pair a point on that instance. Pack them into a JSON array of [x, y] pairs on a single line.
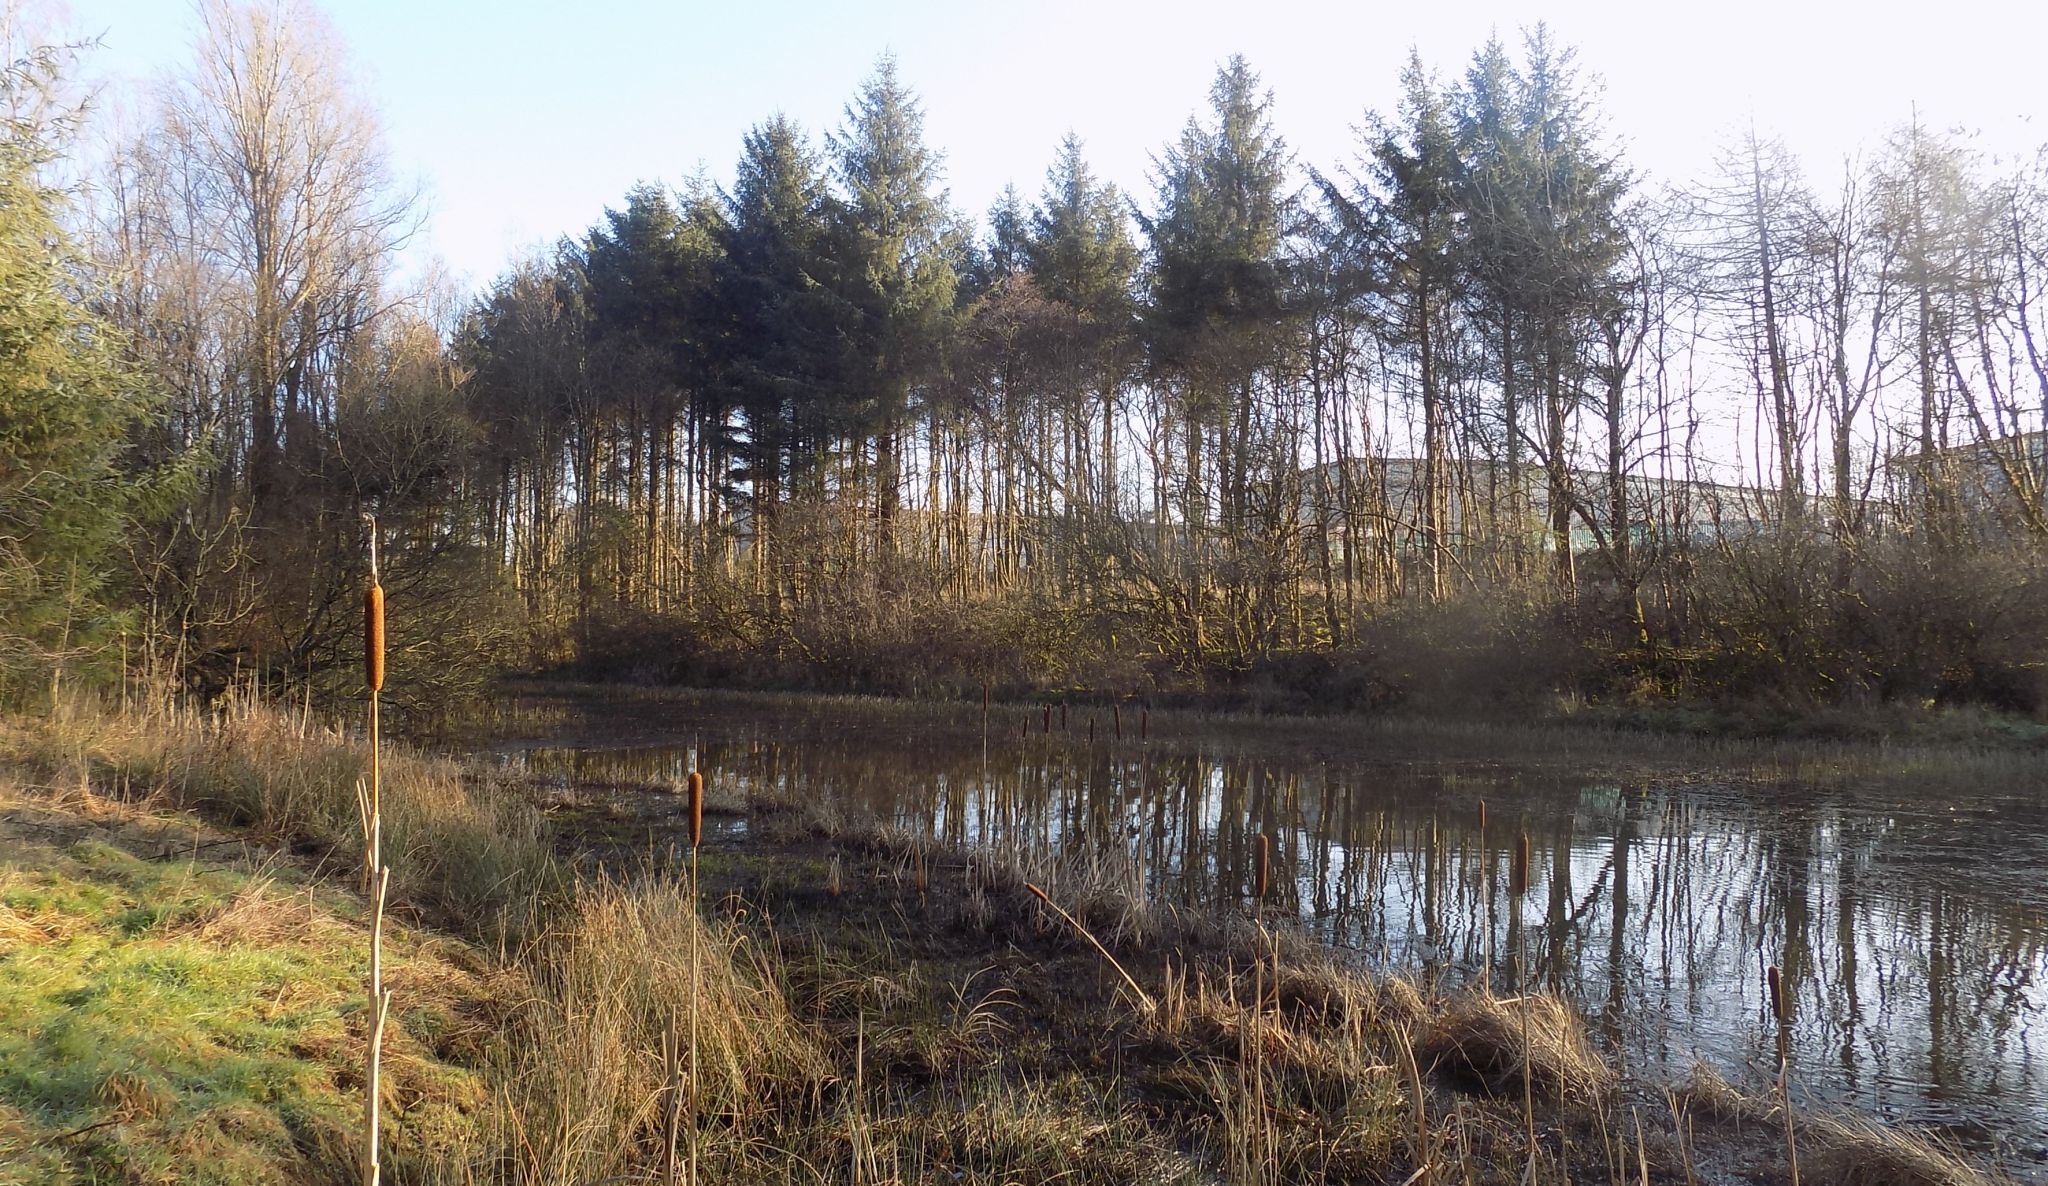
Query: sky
[[522, 120]]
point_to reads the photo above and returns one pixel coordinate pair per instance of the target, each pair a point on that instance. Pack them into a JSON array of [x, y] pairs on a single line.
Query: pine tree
[[1081, 257], [1217, 298]]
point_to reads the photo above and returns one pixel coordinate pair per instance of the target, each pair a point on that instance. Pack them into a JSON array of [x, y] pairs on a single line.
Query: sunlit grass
[[165, 1017]]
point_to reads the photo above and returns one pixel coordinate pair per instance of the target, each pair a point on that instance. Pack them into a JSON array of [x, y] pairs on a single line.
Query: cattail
[[1116, 720], [1144, 722], [1775, 983], [696, 809], [373, 636], [1091, 730], [1048, 719], [1518, 869], [832, 878], [1262, 866], [1482, 817]]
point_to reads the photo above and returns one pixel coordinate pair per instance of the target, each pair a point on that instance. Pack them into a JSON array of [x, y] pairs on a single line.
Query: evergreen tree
[[779, 327], [1213, 320], [67, 406], [903, 246], [1081, 257], [1410, 217]]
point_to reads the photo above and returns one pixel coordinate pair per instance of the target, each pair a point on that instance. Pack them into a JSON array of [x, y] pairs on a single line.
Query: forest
[[1482, 419]]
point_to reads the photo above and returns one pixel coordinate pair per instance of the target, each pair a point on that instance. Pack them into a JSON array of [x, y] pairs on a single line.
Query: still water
[[1912, 930]]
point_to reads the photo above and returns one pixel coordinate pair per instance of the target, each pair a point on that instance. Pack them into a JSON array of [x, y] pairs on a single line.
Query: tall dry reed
[[376, 875]]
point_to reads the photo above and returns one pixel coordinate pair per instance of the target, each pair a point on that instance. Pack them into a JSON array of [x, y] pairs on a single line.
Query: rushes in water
[[1486, 954]]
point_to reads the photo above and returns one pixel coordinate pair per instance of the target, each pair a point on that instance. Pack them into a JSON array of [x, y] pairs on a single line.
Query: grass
[[182, 945], [172, 1010], [461, 852]]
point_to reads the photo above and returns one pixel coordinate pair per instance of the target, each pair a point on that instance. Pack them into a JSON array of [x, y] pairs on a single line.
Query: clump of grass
[[1498, 1042], [584, 1092], [1858, 1153], [1710, 1095]]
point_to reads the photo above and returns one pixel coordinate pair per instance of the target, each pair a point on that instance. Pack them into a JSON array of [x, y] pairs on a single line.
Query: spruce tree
[[903, 248]]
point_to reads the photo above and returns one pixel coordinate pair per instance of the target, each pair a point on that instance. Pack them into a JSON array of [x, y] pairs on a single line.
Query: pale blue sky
[[525, 119]]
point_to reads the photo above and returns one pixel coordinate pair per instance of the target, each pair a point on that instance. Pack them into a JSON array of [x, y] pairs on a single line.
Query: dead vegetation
[[875, 1006]]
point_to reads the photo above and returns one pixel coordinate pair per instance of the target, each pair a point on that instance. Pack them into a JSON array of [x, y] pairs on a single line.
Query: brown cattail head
[[1482, 815], [1048, 718], [1116, 720], [1518, 869], [1775, 982], [1144, 722], [373, 637], [832, 878], [1262, 866], [1091, 730], [696, 809]]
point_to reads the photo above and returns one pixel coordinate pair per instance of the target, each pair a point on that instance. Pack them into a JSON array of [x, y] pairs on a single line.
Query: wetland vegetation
[[1467, 664]]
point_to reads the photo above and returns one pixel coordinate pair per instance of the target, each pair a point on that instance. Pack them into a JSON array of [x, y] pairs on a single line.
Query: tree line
[[1481, 413]]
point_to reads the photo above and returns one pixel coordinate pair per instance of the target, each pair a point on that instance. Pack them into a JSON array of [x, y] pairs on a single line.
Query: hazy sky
[[523, 120]]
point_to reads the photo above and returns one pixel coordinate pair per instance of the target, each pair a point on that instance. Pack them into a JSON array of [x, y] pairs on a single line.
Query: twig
[[1144, 998]]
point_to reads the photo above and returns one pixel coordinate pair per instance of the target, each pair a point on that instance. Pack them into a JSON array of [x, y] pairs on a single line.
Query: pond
[[1909, 923]]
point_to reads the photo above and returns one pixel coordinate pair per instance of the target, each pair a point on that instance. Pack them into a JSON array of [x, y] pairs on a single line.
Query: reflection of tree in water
[[1912, 980]]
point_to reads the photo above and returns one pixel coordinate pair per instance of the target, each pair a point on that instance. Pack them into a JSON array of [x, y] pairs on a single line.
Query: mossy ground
[[176, 1005]]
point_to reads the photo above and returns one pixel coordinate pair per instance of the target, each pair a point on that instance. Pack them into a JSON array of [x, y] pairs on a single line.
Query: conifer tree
[[903, 246]]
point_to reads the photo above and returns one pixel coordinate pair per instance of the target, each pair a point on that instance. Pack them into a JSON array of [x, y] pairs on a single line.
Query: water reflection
[[1910, 934]]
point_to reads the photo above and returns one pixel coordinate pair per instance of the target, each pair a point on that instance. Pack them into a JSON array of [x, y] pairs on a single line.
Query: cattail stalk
[[1774, 983], [696, 922], [376, 875], [1486, 955]]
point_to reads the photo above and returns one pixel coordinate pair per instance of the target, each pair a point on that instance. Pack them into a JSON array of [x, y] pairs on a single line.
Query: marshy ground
[[183, 944]]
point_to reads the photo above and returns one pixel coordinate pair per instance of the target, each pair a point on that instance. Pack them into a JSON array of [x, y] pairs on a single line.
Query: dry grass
[[585, 1083], [1491, 1040], [1859, 1153], [460, 851]]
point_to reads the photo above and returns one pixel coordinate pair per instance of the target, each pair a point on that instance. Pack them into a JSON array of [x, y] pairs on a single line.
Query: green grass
[[166, 1018]]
